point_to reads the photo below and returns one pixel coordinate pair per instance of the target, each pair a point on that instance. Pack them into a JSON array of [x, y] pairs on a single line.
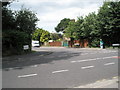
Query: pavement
[[105, 83], [59, 67]]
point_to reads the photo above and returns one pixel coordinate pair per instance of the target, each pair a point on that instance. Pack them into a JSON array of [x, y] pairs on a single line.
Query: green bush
[[13, 42], [95, 42]]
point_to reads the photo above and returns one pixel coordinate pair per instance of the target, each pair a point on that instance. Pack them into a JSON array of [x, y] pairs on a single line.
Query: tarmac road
[[60, 68]]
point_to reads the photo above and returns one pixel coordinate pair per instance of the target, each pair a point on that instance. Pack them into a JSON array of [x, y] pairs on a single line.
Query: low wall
[[82, 43], [56, 43]]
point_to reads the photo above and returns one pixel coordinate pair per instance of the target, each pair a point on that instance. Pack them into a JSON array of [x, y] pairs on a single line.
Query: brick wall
[[56, 43]]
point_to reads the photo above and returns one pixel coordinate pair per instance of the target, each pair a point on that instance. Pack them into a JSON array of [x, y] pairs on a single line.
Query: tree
[[26, 20], [109, 19], [62, 25], [17, 28], [45, 36], [78, 29], [41, 35], [37, 34], [8, 19], [55, 36], [90, 29], [69, 31]]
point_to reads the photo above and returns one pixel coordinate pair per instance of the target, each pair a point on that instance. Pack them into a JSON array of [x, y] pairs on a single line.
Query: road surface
[[61, 68]]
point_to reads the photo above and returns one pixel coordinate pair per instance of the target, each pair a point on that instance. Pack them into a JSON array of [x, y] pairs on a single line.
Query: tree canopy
[[41, 35], [93, 27], [62, 25], [17, 27], [26, 20], [109, 19], [55, 36]]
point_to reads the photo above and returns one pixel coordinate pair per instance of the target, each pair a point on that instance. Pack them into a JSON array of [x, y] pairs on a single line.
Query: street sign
[[25, 47]]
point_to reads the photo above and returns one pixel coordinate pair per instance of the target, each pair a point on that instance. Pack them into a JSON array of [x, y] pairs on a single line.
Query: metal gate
[[65, 44]]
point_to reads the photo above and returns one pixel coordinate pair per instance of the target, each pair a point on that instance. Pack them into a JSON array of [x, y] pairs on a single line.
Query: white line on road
[[87, 67], [107, 57], [34, 66], [29, 75], [85, 60], [84, 54], [109, 63], [60, 71]]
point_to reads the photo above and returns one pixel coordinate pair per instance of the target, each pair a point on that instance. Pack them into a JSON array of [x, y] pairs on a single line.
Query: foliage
[[45, 36], [62, 25], [26, 20], [95, 42], [17, 28], [55, 36], [90, 28], [69, 31], [78, 29], [13, 41], [41, 35], [8, 19], [109, 19], [104, 25]]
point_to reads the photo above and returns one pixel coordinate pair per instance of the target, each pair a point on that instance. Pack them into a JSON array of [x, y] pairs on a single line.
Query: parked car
[[35, 43]]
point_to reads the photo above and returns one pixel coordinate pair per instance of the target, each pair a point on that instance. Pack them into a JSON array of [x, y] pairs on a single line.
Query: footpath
[[105, 83]]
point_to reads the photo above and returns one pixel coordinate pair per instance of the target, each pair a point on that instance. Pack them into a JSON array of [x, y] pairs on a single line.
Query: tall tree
[[78, 28], [55, 36], [90, 28], [17, 29], [62, 25], [26, 20], [45, 36], [8, 19], [109, 19], [41, 35], [70, 31]]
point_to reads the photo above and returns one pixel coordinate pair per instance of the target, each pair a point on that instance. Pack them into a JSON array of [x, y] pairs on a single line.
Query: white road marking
[[106, 57], [34, 66], [87, 67], [98, 58], [84, 54], [99, 52], [29, 75], [109, 63], [60, 71], [85, 60]]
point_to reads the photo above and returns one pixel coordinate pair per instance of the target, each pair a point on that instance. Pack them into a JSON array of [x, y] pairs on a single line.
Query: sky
[[51, 12]]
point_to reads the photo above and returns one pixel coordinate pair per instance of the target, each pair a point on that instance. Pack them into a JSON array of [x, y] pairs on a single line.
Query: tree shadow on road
[[36, 58]]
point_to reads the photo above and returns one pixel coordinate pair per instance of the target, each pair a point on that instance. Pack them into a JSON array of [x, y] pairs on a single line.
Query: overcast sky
[[50, 12]]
